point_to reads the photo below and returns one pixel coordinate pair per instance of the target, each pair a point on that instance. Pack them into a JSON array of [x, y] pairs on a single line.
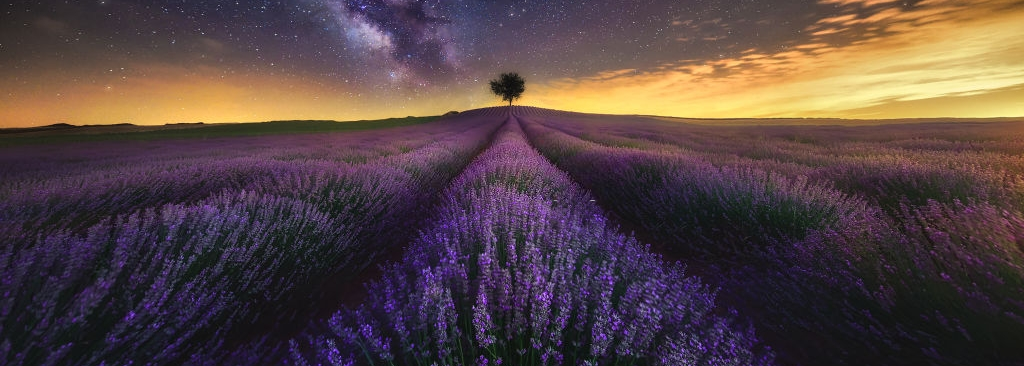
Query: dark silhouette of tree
[[509, 86]]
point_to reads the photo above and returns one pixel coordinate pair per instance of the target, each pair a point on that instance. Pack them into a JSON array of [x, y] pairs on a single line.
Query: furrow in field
[[76, 186], [826, 277], [171, 284], [890, 165], [346, 287], [520, 266]]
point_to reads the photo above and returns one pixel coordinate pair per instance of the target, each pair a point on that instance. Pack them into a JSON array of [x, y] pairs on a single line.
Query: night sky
[[155, 62]]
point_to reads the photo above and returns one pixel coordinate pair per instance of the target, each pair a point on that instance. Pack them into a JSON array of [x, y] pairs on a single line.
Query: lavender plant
[[702, 209], [943, 287], [888, 164], [184, 282], [928, 274], [75, 186], [521, 267], [841, 245]]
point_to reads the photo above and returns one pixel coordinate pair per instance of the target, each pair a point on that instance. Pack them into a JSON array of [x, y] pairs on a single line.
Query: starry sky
[[170, 61]]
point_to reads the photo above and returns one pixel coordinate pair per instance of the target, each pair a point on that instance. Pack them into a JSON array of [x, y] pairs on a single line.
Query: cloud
[[50, 25], [887, 56], [709, 30], [212, 45], [861, 3]]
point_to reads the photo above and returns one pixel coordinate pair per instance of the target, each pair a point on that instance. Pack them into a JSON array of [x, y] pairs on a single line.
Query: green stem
[[367, 353], [458, 344]]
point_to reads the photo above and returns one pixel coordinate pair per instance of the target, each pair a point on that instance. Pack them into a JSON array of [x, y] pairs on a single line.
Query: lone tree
[[509, 86]]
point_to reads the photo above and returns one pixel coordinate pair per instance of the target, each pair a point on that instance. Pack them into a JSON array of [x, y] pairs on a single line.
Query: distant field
[[827, 121], [524, 235], [68, 133]]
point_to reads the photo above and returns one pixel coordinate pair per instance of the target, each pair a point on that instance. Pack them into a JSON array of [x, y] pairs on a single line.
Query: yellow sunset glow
[[869, 59], [949, 58], [172, 95]]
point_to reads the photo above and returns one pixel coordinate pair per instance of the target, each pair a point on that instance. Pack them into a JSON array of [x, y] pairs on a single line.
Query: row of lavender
[[521, 267], [183, 260], [52, 188], [855, 276], [888, 164]]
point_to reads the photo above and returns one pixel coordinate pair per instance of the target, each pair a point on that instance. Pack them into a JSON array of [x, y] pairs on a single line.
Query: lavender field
[[520, 236]]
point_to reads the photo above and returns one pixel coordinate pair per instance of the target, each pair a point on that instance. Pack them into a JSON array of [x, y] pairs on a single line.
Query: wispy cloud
[[872, 54], [690, 30], [50, 25]]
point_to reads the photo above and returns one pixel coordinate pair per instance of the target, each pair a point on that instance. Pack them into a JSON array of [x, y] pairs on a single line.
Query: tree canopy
[[509, 86]]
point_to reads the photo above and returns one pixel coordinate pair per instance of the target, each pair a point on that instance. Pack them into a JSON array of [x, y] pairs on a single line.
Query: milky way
[[376, 42], [113, 61]]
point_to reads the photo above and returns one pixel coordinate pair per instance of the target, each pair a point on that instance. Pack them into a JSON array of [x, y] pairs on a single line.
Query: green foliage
[[509, 86]]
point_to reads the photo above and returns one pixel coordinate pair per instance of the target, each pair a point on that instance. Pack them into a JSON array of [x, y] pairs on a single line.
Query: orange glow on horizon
[[942, 58], [170, 94]]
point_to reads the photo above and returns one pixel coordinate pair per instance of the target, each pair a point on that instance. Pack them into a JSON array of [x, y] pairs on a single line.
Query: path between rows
[[352, 292], [709, 274], [343, 289]]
